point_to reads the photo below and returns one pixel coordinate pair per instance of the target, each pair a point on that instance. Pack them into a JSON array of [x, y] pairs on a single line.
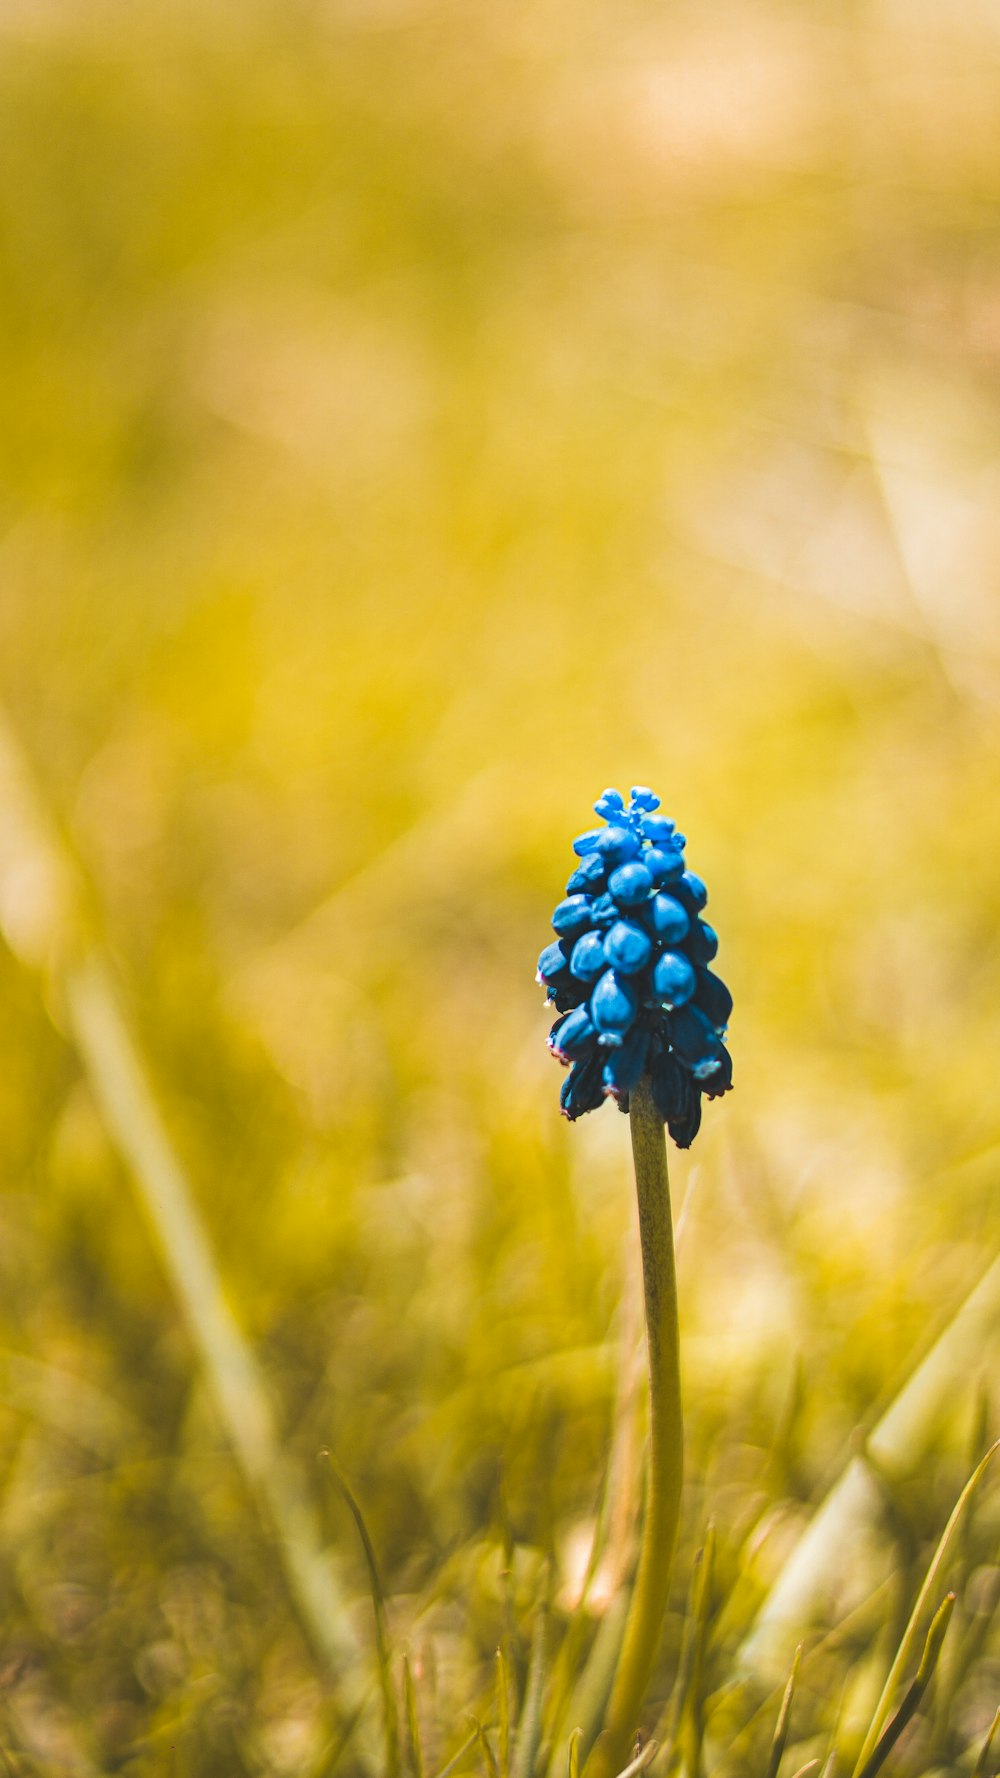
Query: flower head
[[628, 971]]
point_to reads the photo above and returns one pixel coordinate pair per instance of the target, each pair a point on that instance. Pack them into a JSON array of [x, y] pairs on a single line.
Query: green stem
[[665, 1465]]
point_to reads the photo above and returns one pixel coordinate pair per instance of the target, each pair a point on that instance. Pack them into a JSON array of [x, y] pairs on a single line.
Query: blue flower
[[628, 971]]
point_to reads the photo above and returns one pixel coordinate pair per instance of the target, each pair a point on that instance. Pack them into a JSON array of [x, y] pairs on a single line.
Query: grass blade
[[412, 1722], [691, 1662], [503, 1714], [696, 1689], [529, 1727], [979, 1769], [642, 1759], [489, 1758], [784, 1714], [904, 1653], [391, 1712], [456, 1759], [914, 1691]]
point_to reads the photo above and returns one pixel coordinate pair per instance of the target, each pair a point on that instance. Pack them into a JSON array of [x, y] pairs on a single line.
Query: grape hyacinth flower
[[629, 971], [642, 1020]]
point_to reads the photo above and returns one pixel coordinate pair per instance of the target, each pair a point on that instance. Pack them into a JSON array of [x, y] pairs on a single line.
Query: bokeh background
[[417, 416]]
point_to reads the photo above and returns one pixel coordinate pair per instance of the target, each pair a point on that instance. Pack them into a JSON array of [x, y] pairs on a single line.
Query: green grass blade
[[914, 1691], [983, 1760], [784, 1715], [456, 1759], [412, 1722], [530, 1725], [674, 1715], [489, 1757], [904, 1653], [503, 1714], [696, 1688], [382, 1646], [641, 1762]]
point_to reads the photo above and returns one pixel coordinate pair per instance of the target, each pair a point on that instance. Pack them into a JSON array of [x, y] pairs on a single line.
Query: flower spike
[[629, 971]]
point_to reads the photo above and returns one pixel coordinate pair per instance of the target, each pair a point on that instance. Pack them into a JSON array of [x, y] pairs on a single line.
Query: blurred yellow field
[[418, 417]]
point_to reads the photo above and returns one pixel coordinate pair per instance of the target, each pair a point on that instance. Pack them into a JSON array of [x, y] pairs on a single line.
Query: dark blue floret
[[667, 919], [610, 804], [627, 948], [552, 960], [713, 998], [572, 1035], [572, 916], [628, 971], [587, 959], [663, 864], [674, 978], [583, 1088], [589, 875], [630, 884], [703, 943], [603, 910], [616, 844], [613, 1007], [624, 1065]]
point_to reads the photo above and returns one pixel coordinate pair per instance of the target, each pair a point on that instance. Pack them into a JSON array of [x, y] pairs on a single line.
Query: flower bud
[[627, 948], [587, 960], [612, 1007], [630, 884], [674, 978], [588, 876], [572, 916], [616, 844], [667, 918]]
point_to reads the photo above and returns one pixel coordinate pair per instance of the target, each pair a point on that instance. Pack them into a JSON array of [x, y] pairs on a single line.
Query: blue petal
[[570, 1037], [585, 842], [674, 978], [612, 1007], [664, 865], [721, 1078], [610, 804], [623, 1068], [554, 958], [583, 1088], [589, 875], [627, 948], [693, 1039], [616, 844], [658, 829], [603, 910], [572, 916], [714, 999], [668, 919], [630, 884], [696, 889], [587, 960], [703, 942]]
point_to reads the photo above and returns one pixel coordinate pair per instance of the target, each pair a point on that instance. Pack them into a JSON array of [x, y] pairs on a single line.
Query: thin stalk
[[665, 1460]]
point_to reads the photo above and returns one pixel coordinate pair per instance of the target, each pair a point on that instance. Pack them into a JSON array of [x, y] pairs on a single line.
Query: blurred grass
[[418, 417]]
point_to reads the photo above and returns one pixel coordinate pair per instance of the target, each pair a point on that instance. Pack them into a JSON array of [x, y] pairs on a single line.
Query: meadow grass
[[418, 418]]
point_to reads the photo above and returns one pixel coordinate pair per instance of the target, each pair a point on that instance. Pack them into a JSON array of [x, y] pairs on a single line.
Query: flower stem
[[665, 1466]]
